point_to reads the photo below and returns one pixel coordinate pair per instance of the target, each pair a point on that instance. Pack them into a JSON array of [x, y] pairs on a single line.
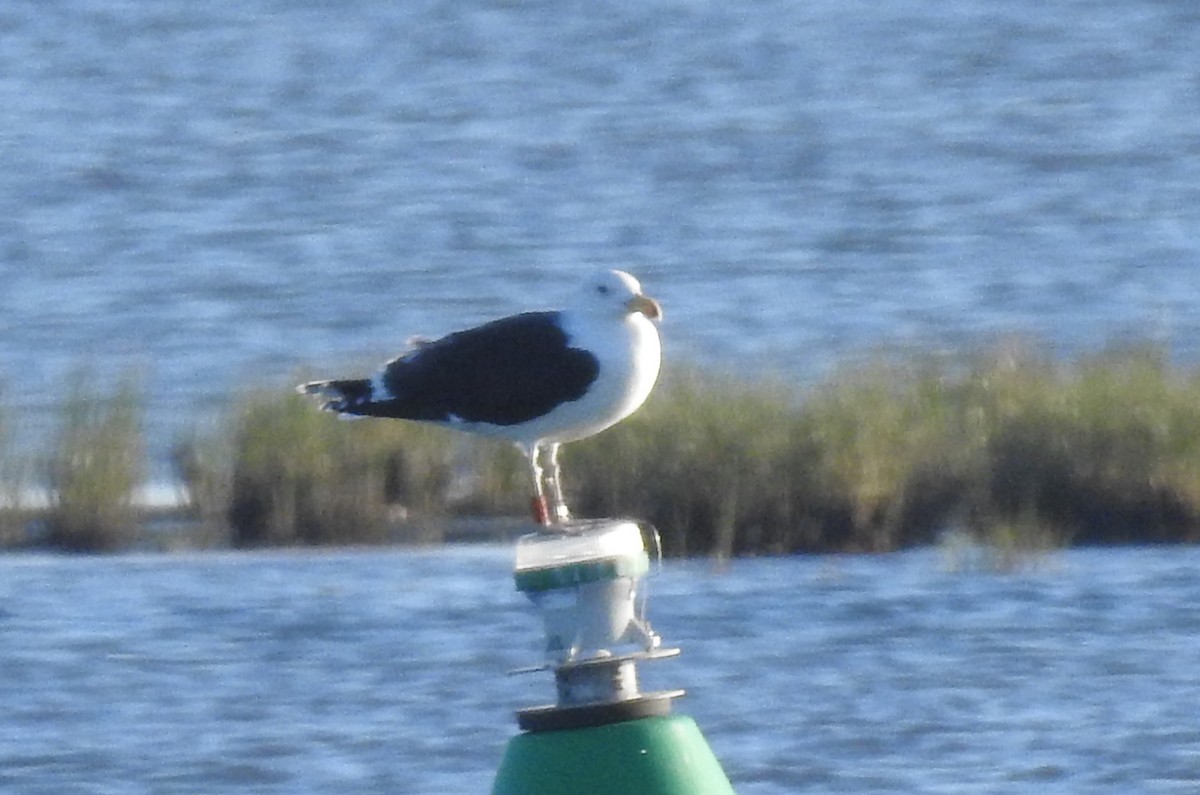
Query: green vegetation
[[726, 467], [716, 464], [281, 472], [1008, 449], [1017, 451], [12, 485], [95, 468]]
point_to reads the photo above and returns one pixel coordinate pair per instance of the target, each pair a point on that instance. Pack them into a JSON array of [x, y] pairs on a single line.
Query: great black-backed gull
[[538, 379]]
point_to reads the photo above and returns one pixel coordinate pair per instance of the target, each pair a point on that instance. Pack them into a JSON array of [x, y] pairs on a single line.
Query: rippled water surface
[[385, 672], [221, 193]]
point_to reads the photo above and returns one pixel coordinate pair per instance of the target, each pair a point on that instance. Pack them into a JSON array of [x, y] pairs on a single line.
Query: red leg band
[[541, 511]]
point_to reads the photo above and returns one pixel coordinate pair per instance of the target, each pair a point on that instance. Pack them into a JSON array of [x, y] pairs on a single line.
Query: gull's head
[[618, 293]]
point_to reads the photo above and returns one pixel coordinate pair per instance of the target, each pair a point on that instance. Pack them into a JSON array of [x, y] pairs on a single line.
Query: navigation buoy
[[603, 735]]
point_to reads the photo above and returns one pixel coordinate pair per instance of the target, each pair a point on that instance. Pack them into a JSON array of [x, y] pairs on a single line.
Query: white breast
[[629, 354]]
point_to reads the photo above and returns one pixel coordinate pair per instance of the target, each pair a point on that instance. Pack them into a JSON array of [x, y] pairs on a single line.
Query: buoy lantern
[[602, 736], [585, 585]]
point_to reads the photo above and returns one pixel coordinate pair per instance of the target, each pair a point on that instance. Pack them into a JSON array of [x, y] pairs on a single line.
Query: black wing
[[503, 373]]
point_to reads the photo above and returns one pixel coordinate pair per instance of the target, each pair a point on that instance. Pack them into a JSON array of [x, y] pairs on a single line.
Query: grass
[[1104, 450], [726, 467], [96, 467], [1018, 450], [713, 462], [281, 472], [12, 485], [1010, 448]]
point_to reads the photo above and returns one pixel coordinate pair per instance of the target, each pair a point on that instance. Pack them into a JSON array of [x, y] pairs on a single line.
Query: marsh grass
[[1023, 452], [13, 480], [282, 472], [1103, 451], [494, 479], [95, 467], [203, 463], [726, 466], [1013, 449], [719, 465], [1017, 450]]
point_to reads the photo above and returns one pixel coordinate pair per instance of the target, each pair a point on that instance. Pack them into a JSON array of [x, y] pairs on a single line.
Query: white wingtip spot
[[379, 390]]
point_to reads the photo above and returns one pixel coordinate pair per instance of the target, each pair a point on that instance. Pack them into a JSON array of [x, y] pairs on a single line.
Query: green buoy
[[603, 735], [650, 756]]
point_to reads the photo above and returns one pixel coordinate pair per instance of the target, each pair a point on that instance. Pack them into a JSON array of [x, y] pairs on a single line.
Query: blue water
[[221, 194], [385, 672]]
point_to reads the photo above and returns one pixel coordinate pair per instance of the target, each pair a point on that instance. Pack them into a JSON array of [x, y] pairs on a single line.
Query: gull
[[537, 379]]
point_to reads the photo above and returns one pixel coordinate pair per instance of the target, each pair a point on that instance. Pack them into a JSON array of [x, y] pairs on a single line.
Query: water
[[385, 672], [221, 194]]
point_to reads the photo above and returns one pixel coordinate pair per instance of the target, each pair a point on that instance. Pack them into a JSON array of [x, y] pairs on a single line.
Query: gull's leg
[[561, 512], [541, 513]]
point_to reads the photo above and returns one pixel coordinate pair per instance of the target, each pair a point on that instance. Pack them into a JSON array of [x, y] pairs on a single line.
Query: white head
[[618, 293]]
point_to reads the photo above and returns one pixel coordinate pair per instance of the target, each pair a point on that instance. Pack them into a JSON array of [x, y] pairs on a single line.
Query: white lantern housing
[[585, 579]]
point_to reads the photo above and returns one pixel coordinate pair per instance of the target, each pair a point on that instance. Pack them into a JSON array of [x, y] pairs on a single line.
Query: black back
[[503, 373]]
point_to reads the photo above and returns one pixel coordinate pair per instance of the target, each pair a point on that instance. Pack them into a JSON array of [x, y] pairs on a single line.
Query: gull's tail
[[344, 395]]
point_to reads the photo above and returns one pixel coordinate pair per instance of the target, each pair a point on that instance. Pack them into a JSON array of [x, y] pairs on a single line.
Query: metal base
[[598, 691], [637, 656], [555, 718]]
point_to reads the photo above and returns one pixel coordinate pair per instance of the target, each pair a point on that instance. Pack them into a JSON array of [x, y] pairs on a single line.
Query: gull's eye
[[602, 289]]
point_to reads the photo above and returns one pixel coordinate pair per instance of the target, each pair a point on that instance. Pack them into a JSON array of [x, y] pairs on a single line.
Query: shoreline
[[168, 529], [1017, 449]]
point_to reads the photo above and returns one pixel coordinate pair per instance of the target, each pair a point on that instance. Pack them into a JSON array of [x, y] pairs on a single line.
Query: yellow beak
[[646, 305]]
